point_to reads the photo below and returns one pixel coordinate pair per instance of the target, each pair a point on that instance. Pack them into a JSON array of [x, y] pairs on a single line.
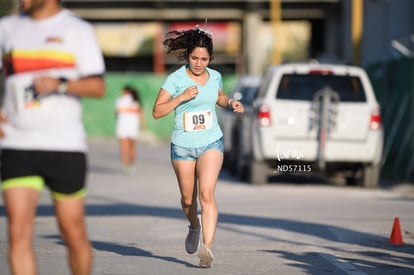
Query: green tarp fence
[[99, 114], [394, 85]]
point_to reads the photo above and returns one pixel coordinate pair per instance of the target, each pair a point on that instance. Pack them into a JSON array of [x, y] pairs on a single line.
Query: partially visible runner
[[192, 92], [50, 58], [129, 117]]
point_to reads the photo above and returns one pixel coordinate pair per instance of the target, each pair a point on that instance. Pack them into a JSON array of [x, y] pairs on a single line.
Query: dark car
[[245, 91]]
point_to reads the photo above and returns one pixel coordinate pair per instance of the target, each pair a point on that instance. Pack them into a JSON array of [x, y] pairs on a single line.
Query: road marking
[[342, 265]]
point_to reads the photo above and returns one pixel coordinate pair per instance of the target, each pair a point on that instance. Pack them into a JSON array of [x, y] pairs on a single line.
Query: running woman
[[192, 93]]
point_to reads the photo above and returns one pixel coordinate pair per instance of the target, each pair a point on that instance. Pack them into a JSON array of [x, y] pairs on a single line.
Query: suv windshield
[[303, 87]]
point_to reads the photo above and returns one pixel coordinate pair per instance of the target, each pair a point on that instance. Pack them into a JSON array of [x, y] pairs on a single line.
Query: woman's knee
[[187, 202], [207, 198]]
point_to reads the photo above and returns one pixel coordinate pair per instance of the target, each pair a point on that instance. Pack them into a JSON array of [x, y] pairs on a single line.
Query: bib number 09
[[196, 121]]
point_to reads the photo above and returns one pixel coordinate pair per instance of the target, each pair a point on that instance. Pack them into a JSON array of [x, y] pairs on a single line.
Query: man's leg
[[71, 219], [20, 205]]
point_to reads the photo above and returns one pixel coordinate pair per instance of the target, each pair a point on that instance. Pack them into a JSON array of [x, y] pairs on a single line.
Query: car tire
[[242, 166], [233, 154], [258, 172], [226, 160], [233, 160], [371, 176]]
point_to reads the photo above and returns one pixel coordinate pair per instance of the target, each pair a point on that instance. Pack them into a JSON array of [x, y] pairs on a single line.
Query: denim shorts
[[188, 153]]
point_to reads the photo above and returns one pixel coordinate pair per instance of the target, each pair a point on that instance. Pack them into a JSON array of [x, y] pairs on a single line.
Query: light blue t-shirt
[[195, 121]]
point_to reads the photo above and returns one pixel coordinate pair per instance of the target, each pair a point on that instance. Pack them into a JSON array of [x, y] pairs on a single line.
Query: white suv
[[308, 118]]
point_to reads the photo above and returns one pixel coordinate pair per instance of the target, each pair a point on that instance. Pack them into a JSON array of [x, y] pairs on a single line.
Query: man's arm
[[91, 86]]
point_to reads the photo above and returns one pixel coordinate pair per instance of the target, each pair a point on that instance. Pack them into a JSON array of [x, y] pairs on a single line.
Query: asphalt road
[[136, 225]]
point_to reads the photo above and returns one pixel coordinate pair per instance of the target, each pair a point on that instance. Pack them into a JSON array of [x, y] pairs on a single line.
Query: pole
[[159, 55], [357, 25], [276, 18]]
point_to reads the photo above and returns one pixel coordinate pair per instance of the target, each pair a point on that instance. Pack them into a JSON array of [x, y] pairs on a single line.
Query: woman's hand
[[237, 106], [189, 93]]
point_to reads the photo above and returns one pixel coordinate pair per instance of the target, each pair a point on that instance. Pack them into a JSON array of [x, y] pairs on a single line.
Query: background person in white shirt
[[129, 117]]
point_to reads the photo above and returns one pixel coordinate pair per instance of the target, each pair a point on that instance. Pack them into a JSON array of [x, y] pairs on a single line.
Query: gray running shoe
[[193, 239], [206, 256]]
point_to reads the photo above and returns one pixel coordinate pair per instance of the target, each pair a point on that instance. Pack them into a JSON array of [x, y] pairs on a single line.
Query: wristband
[[63, 85], [229, 102]]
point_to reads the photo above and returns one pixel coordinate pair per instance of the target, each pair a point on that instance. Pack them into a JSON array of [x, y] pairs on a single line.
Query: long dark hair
[[182, 43], [133, 92]]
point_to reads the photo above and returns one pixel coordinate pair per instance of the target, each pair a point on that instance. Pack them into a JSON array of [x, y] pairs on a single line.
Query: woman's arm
[[164, 104], [224, 101]]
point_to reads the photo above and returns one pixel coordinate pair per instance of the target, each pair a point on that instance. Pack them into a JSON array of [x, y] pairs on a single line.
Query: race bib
[[198, 121], [23, 95]]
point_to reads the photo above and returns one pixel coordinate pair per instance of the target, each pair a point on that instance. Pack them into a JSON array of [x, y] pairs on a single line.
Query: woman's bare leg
[[186, 176], [208, 168]]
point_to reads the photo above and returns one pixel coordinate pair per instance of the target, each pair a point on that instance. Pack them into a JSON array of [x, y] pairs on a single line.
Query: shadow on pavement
[[311, 263], [125, 250], [322, 231]]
